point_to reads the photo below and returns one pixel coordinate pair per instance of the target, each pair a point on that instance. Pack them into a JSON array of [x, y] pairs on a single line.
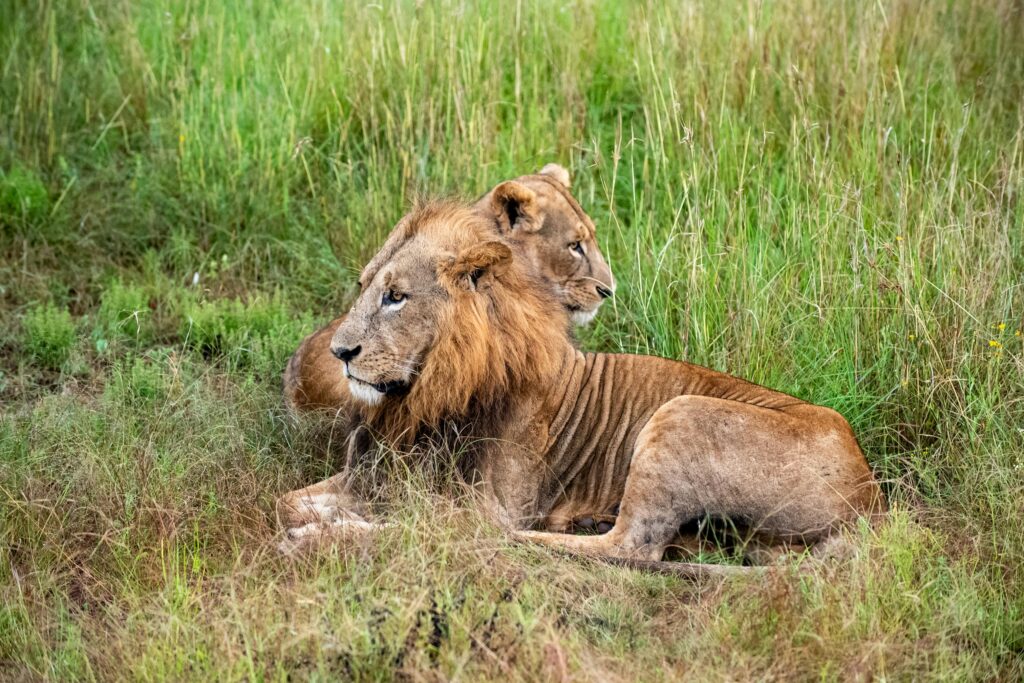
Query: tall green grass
[[825, 197]]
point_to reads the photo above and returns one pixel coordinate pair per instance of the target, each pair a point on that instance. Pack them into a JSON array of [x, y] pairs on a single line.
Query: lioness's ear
[[476, 267], [515, 207], [558, 173]]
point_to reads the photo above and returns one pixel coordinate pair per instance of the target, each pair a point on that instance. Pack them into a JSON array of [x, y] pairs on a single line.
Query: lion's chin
[[361, 391], [583, 318]]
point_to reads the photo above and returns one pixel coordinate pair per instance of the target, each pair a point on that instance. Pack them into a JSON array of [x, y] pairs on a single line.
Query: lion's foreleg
[[595, 547], [325, 513], [319, 534], [322, 503]]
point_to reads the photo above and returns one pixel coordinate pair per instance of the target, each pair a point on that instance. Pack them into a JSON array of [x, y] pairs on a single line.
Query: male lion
[[451, 335], [549, 232]]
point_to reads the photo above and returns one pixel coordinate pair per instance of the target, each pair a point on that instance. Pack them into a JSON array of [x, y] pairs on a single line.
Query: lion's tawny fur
[[554, 432]]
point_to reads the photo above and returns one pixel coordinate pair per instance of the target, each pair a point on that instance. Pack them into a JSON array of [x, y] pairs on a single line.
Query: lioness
[[451, 335], [550, 233]]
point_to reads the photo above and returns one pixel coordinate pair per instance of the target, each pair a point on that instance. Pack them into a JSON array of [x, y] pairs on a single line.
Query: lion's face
[[430, 280], [392, 324], [544, 223]]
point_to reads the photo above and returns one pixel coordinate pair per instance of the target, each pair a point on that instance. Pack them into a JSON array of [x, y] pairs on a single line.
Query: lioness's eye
[[391, 298], [577, 247]]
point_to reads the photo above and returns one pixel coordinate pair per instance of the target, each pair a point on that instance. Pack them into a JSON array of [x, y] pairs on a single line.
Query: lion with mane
[[451, 335]]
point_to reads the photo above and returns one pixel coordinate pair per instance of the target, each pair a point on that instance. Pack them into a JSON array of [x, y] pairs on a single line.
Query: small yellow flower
[[899, 238], [1017, 333], [181, 138], [994, 344], [911, 337], [1002, 326]]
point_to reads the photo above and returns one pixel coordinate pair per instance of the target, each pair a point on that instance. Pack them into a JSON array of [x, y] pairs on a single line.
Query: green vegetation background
[[825, 197]]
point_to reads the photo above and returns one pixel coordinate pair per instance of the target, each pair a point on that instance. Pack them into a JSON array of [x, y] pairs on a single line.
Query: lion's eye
[[392, 298], [577, 246]]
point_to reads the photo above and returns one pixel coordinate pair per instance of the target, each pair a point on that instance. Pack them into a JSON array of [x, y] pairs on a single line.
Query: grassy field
[[825, 197]]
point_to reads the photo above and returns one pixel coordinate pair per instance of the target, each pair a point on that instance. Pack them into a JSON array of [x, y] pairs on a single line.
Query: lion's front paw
[[294, 511], [343, 530], [298, 539]]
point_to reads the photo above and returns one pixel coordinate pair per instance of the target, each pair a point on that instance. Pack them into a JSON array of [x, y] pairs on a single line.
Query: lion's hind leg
[[591, 546], [793, 478], [649, 518]]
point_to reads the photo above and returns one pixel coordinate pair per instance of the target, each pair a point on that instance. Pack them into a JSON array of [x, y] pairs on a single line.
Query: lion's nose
[[604, 292], [346, 354]]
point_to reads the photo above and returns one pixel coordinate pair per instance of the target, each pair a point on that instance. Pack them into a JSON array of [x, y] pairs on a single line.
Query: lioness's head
[[446, 315], [545, 223]]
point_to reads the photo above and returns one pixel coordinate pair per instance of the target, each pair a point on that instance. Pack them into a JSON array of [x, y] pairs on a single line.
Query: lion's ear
[[515, 207], [558, 173], [476, 267]]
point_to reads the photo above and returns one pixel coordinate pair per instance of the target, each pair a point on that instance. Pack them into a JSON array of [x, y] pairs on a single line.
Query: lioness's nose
[[346, 354], [604, 292]]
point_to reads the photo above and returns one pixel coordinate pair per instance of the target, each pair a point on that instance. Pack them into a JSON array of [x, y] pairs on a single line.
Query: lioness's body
[[554, 432]]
